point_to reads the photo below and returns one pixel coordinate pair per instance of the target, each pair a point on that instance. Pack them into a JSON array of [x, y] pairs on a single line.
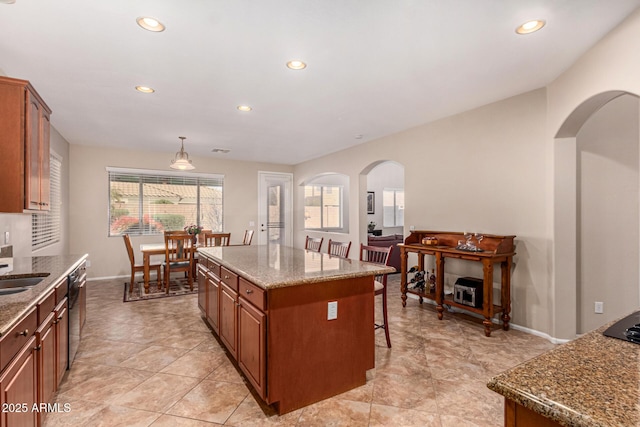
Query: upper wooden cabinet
[[24, 138]]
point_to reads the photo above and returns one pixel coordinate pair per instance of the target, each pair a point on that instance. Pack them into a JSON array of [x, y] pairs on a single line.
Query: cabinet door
[[213, 304], [19, 388], [45, 166], [228, 319], [62, 339], [46, 356], [32, 151], [252, 332], [82, 301], [202, 289]]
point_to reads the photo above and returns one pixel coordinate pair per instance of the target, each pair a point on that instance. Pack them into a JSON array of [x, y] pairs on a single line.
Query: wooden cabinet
[[213, 301], [82, 295], [201, 278], [252, 334], [46, 360], [24, 137], [19, 374], [229, 319], [62, 339], [19, 388]]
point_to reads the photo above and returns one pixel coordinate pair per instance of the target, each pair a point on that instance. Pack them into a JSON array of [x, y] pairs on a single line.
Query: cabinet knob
[[226, 277], [249, 291], [37, 348], [24, 333]]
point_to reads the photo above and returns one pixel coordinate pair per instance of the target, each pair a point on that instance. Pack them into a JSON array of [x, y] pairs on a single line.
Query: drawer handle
[[37, 348], [226, 277], [24, 333], [249, 291]]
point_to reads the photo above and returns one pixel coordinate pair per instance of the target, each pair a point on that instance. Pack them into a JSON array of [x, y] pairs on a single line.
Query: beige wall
[[481, 171], [608, 213], [90, 197]]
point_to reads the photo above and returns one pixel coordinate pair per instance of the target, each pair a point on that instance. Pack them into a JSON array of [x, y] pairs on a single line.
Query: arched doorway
[[382, 198], [590, 178]]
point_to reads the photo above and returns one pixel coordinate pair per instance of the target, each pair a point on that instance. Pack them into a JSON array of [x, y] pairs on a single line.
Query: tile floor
[[155, 363]]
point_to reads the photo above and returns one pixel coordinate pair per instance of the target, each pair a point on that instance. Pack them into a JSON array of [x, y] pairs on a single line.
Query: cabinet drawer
[[17, 337], [46, 306], [62, 289], [253, 294], [229, 278], [214, 267]]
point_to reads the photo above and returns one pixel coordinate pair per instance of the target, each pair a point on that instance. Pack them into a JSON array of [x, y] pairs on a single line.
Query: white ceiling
[[375, 67]]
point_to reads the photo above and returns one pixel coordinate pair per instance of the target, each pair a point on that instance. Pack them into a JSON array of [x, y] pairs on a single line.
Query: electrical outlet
[[88, 263], [412, 228], [252, 224], [599, 307], [332, 310], [7, 239]]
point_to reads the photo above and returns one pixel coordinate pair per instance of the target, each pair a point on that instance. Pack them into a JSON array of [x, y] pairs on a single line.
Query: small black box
[[468, 291]]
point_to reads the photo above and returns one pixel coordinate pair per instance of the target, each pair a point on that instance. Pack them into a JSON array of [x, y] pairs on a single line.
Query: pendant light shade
[[181, 161]]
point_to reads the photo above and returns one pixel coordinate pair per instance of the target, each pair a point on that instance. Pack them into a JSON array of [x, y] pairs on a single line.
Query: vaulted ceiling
[[374, 67]]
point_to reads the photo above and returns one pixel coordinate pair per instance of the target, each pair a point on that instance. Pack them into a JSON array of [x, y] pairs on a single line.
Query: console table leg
[[505, 321], [487, 327], [440, 310]]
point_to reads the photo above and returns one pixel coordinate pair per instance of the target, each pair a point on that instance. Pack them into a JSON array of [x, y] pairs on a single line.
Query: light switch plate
[[332, 310], [7, 240]]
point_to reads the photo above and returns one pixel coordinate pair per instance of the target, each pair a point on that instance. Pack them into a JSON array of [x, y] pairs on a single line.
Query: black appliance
[[468, 291], [627, 329], [74, 313]]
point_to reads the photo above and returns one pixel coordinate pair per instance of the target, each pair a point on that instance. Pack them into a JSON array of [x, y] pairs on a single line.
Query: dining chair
[[179, 250], [216, 239], [379, 255], [139, 267], [201, 236], [340, 249], [248, 235], [313, 243]]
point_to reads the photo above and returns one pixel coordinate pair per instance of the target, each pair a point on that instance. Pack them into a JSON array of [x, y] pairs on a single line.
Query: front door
[[275, 208]]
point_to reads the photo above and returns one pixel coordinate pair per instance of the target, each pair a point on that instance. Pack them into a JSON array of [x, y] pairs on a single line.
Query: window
[[151, 202], [392, 207], [45, 226], [322, 207]]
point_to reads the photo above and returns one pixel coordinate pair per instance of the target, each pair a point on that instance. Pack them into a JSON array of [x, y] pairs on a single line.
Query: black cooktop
[[627, 329]]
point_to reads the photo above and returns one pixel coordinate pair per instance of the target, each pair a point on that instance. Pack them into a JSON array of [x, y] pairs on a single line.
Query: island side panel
[[311, 358]]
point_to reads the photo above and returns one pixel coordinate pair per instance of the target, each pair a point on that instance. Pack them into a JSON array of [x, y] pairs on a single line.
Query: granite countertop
[[14, 306], [593, 380], [277, 266]]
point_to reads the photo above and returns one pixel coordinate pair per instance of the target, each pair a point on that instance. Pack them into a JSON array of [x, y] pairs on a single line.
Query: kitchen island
[[298, 323], [591, 381]]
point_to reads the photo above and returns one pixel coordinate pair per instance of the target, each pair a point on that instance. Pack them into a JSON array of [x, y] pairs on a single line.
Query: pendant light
[[182, 161]]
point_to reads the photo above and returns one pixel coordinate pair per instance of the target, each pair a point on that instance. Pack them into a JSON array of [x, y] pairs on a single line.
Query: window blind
[[45, 226]]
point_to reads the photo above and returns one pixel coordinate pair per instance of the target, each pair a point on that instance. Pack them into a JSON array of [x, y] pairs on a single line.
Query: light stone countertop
[[591, 381], [277, 266], [14, 306]]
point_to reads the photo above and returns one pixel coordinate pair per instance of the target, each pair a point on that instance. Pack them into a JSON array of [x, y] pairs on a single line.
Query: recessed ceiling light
[[530, 26], [8, 1], [358, 136], [244, 108], [150, 24], [145, 89], [296, 65], [220, 150]]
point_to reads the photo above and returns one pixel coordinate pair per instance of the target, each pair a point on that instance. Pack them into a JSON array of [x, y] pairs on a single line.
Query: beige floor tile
[[158, 393], [157, 363], [210, 401], [335, 412]]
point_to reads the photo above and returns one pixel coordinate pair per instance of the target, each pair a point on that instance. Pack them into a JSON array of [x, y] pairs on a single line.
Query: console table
[[494, 249]]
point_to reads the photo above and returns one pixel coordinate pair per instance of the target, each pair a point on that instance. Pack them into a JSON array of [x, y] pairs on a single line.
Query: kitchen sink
[[19, 282], [9, 291]]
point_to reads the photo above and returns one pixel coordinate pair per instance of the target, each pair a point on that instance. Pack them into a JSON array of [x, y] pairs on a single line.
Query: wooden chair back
[[178, 248], [313, 243], [216, 239], [340, 249], [248, 235], [127, 243], [376, 255]]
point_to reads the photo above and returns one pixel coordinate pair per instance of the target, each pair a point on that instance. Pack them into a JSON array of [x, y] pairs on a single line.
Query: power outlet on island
[[599, 307], [332, 310]]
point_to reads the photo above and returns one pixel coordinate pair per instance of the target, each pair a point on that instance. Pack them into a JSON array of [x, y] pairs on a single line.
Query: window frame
[[396, 208], [199, 179], [341, 207]]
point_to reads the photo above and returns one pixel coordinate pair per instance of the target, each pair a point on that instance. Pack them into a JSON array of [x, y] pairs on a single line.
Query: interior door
[[275, 208]]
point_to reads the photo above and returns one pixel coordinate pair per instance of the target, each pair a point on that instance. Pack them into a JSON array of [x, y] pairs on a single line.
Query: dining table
[[148, 250]]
